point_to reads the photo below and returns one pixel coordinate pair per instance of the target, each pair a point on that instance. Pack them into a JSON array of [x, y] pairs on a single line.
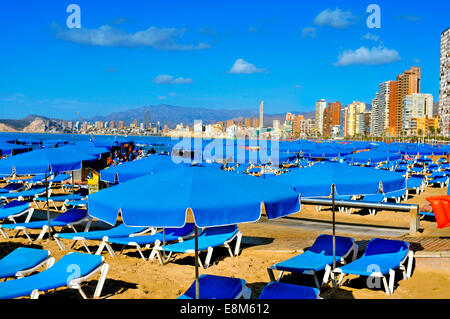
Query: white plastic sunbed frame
[[29, 211], [353, 250], [389, 288], [76, 283], [153, 253], [45, 229], [226, 244], [99, 250]]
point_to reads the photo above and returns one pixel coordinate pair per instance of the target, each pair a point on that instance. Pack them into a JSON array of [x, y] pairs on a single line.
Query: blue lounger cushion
[[11, 188], [318, 256], [13, 208], [53, 277], [60, 198], [171, 234], [386, 254], [216, 287], [281, 290], [20, 259], [28, 193], [70, 216], [374, 198], [60, 178], [209, 237], [118, 231]]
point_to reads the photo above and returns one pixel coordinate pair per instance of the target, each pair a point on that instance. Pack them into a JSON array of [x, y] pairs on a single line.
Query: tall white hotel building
[[444, 84]]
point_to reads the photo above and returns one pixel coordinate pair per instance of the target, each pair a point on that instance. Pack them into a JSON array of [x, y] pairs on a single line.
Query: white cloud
[[336, 18], [168, 79], [309, 32], [107, 36], [243, 67], [364, 56]]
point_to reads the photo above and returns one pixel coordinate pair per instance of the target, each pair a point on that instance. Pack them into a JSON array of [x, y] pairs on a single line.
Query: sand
[[263, 244]]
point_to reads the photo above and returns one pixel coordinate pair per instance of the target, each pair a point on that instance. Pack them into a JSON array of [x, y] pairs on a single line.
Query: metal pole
[[197, 284], [73, 188], [48, 207]]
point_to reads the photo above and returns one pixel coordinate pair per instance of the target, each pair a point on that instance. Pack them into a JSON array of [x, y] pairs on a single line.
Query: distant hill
[[172, 115], [31, 124]]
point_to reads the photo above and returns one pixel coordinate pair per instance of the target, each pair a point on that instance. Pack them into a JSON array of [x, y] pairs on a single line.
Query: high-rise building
[[121, 125], [147, 119], [380, 108], [261, 114], [297, 121], [255, 122], [321, 105], [416, 105], [444, 84], [112, 124], [407, 83], [331, 118], [355, 118], [230, 123], [289, 117], [248, 122]]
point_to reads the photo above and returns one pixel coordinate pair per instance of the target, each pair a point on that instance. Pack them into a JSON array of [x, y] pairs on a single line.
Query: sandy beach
[[265, 243]]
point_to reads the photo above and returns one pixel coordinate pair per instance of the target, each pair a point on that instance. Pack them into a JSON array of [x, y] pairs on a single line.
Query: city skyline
[[289, 55]]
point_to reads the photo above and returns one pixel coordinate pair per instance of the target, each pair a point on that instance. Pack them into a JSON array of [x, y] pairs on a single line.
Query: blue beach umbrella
[[327, 178], [373, 156], [130, 170], [213, 197], [8, 148], [45, 161]]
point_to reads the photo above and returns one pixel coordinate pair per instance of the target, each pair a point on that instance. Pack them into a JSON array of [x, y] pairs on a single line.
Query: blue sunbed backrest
[[71, 215], [225, 231], [324, 245], [16, 203], [75, 264], [379, 246], [183, 231]]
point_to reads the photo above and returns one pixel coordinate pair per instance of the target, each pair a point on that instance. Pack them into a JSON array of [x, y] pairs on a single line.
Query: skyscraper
[[320, 108], [444, 84], [407, 83], [147, 118], [416, 105], [261, 114]]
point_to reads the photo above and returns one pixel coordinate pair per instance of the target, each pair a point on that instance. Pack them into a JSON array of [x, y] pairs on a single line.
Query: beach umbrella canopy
[[130, 170], [349, 180], [56, 160], [373, 156], [8, 148], [215, 198]]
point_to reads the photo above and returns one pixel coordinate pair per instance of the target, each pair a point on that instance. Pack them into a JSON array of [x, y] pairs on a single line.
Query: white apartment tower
[[261, 114], [380, 109], [321, 105], [444, 84], [416, 105]]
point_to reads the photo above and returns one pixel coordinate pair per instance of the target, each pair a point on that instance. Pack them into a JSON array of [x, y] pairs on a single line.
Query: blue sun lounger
[[74, 203], [442, 181], [118, 231], [67, 219], [381, 257], [374, 198], [13, 187], [318, 257], [398, 196], [208, 239], [56, 199], [218, 287], [415, 183], [169, 235], [281, 290], [70, 271], [24, 260], [33, 192], [15, 209], [60, 179]]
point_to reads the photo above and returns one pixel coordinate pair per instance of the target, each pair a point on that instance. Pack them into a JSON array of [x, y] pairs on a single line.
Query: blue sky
[[214, 54]]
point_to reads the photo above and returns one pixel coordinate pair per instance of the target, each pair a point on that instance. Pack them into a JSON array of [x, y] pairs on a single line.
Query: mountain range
[[165, 114], [172, 115]]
